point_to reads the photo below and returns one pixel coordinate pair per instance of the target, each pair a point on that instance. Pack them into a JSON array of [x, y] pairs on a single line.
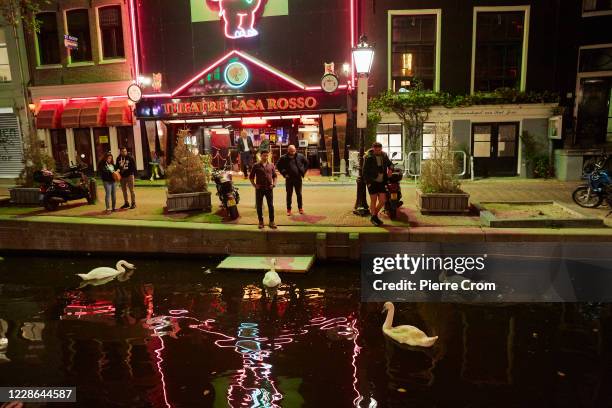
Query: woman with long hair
[[106, 169]]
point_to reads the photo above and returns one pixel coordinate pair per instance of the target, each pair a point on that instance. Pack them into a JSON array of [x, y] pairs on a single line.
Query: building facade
[[81, 64], [14, 128]]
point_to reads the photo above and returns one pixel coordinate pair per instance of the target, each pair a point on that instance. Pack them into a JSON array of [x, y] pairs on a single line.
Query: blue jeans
[[110, 188]]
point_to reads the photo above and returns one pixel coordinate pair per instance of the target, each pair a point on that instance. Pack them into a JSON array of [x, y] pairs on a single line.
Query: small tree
[[186, 172], [35, 158], [438, 171]]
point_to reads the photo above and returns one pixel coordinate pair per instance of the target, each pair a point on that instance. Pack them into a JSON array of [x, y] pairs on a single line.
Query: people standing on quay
[[263, 178], [126, 165], [245, 148], [376, 169], [107, 172], [293, 167]]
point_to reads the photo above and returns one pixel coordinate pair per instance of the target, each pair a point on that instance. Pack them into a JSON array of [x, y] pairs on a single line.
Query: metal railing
[[418, 161]]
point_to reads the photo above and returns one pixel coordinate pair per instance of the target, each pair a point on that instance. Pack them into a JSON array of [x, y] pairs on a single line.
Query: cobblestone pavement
[[327, 204]]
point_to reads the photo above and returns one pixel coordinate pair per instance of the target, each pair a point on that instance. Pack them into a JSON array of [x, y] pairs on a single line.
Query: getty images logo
[[413, 264]]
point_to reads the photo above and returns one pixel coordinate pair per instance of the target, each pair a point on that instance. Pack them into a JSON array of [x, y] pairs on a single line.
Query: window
[[499, 53], [78, 26], [5, 67], [59, 147], [595, 59], [102, 142], [390, 136], [435, 136], [111, 32], [125, 138], [589, 6], [413, 52], [48, 39]]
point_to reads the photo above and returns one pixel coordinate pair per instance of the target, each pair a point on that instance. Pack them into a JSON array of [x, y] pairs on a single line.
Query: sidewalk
[[327, 204]]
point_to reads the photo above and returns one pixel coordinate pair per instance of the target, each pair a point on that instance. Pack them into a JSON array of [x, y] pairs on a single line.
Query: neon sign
[[236, 75], [239, 105], [239, 17]]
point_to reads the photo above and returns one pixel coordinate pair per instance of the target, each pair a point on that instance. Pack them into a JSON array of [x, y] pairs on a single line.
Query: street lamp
[[363, 56]]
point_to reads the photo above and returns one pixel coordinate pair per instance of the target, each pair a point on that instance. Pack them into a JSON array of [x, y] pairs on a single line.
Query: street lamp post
[[363, 56]]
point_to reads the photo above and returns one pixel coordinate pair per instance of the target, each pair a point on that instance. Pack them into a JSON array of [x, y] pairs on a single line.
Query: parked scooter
[[394, 192], [592, 194], [227, 192], [59, 189]]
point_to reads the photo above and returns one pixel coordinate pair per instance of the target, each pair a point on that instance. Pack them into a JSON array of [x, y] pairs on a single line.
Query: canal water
[[177, 333]]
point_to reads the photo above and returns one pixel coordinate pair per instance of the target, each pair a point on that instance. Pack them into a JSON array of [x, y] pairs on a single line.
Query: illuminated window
[[595, 59], [5, 67], [413, 50], [48, 39], [596, 5], [499, 50], [436, 136], [111, 32], [390, 136], [78, 26]]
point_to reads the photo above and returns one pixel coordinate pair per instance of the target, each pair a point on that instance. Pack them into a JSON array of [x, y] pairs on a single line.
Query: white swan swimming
[[271, 279], [106, 272], [406, 334]]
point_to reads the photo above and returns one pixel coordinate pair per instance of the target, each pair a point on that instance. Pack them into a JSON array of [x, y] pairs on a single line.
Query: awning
[[49, 116], [93, 114], [119, 114], [70, 117]]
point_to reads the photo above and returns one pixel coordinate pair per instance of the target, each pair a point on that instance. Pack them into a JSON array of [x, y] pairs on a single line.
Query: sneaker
[[107, 211], [124, 206], [301, 211], [288, 213], [272, 225], [261, 225], [133, 206], [376, 221]]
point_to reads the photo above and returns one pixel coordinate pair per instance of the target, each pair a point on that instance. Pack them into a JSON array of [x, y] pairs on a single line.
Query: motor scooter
[[70, 186], [227, 192]]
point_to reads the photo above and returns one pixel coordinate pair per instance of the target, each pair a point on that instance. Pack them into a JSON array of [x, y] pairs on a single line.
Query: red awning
[[119, 114], [93, 114], [70, 117], [49, 117]]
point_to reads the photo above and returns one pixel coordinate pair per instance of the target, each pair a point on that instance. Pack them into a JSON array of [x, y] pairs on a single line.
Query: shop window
[[499, 50], [111, 32], [595, 59], [390, 136], [59, 148], [589, 6], [435, 136], [102, 142], [48, 39], [413, 50], [5, 67], [78, 26], [82, 144], [125, 138]]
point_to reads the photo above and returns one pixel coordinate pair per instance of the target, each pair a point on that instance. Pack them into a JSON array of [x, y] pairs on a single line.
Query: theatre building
[[258, 68]]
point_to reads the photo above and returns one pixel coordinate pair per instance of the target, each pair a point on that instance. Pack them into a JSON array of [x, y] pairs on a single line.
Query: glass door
[[495, 149]]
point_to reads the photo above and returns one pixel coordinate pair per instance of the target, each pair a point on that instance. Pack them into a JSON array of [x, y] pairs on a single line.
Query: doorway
[[83, 147], [594, 112], [495, 149]]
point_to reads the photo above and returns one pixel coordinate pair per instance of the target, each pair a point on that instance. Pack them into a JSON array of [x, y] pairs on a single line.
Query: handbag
[[116, 175]]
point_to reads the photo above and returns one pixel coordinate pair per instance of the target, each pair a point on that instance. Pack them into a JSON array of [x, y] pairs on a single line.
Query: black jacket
[[127, 168], [285, 167], [370, 167], [240, 145], [104, 172]]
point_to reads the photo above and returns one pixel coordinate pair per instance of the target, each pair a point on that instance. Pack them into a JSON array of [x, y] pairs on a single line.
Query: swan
[[106, 272], [410, 335], [271, 279]]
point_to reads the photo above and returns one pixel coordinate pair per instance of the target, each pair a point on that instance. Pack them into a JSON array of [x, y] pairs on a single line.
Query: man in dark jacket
[[376, 168], [245, 148], [293, 167], [126, 165], [263, 178]]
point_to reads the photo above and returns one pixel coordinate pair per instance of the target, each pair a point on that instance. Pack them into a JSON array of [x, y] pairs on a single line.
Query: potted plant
[[34, 159], [186, 180], [440, 190]]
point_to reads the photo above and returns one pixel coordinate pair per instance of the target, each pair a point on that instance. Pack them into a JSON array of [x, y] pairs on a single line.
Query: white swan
[[410, 335], [271, 279], [106, 272]]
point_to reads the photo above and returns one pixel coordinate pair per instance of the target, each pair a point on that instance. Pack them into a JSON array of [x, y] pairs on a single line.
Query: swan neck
[[389, 319], [120, 267]]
